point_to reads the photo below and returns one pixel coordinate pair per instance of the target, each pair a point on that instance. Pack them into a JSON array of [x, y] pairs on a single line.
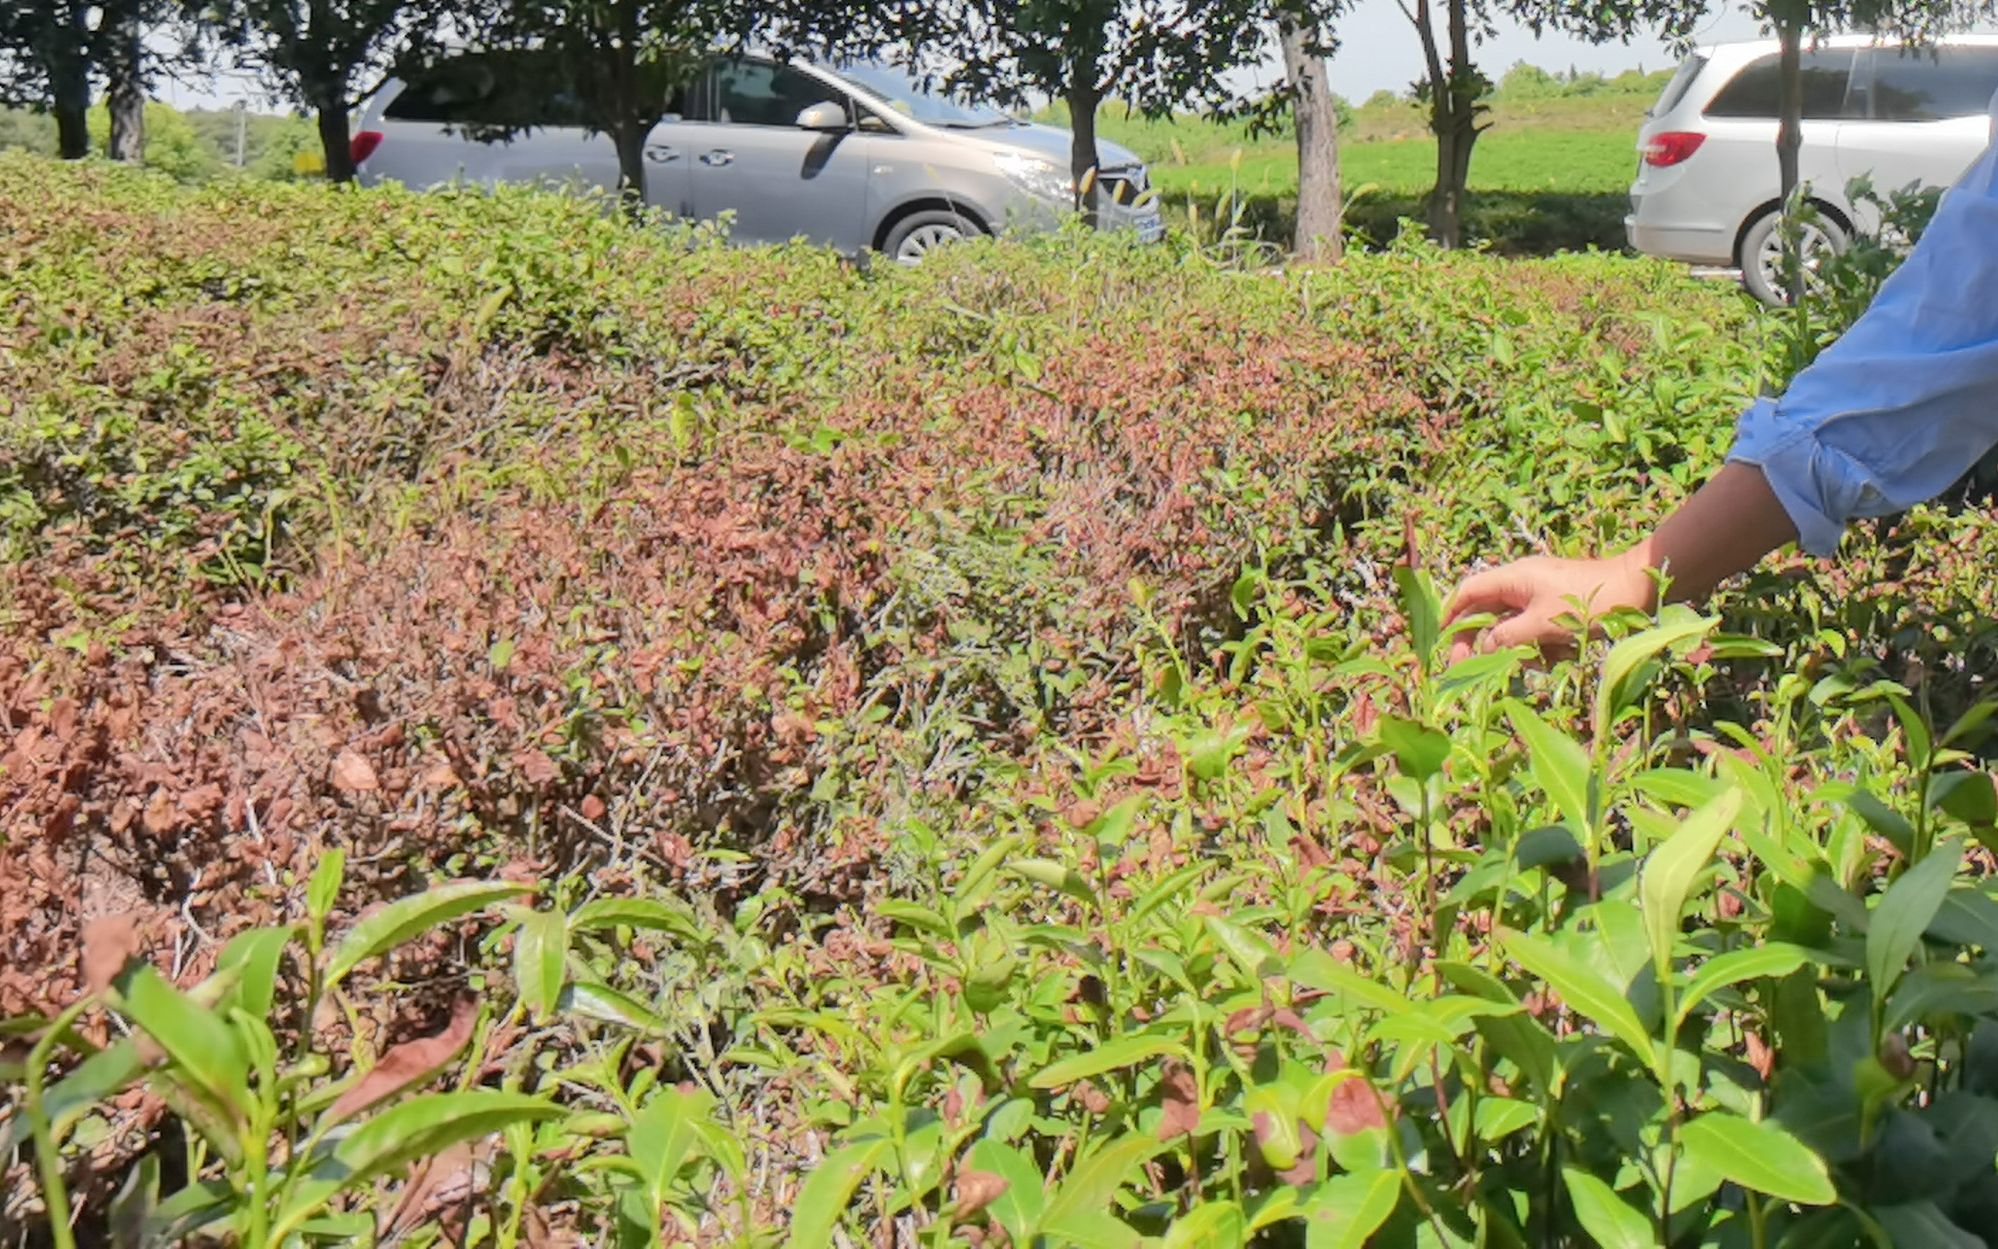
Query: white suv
[[1707, 188]]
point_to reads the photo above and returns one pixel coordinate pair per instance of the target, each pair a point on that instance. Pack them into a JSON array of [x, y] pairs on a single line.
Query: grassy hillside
[[524, 729]]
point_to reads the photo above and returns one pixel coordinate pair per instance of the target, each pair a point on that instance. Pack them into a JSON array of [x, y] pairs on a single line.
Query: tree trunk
[[1789, 142], [336, 142], [1083, 97], [127, 95], [629, 136], [1319, 207], [69, 89], [1453, 116]]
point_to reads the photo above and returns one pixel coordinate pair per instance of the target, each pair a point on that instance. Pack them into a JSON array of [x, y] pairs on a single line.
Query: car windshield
[[903, 94]]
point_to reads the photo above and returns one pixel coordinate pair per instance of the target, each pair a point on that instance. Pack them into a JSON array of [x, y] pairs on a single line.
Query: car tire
[[920, 233], [1762, 253]]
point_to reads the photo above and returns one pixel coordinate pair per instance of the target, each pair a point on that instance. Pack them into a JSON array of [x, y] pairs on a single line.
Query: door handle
[[659, 153], [718, 157]]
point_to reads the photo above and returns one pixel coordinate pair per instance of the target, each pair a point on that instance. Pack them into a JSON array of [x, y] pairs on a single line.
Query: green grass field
[[1522, 160], [1581, 145], [1549, 175]]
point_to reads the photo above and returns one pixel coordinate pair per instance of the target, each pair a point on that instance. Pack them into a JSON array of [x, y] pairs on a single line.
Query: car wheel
[[918, 234], [1762, 254]]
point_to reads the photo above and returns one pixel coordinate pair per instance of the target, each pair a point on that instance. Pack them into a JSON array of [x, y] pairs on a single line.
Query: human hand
[[1532, 597]]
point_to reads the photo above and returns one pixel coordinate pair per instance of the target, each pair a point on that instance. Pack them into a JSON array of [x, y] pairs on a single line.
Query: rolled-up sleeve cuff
[[1818, 487]]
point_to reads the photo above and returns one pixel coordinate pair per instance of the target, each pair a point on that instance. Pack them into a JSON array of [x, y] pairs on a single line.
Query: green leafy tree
[[326, 56], [172, 145], [1159, 56], [1453, 88], [623, 59], [45, 57]]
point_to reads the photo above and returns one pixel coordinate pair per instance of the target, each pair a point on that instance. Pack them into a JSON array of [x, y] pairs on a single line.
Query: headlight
[[1040, 178]]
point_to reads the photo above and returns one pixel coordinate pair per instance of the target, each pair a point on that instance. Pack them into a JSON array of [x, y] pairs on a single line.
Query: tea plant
[[983, 738]]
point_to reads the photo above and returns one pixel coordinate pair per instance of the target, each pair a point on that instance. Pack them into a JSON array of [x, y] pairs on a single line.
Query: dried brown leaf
[[354, 775], [410, 1063], [1353, 1108], [108, 942], [1180, 1104], [977, 1190]]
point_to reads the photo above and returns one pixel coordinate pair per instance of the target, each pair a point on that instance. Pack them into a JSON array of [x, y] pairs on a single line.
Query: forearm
[[1726, 527]]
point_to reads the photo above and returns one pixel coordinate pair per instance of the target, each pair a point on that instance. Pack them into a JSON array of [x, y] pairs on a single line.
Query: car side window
[[758, 93], [1935, 84], [509, 90], [1827, 82], [499, 91]]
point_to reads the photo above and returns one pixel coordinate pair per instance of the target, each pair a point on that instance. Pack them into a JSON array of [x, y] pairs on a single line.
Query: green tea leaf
[[1884, 820], [1904, 912], [1421, 751], [1558, 763], [1672, 867], [829, 1188], [1348, 1209], [663, 1135], [1315, 969], [324, 888], [1748, 963], [601, 1002], [1167, 889], [1582, 987], [541, 960], [1091, 1185], [1019, 1207], [200, 1204], [1610, 1221], [1273, 1120], [1207, 757], [204, 1049], [643, 913], [1628, 662], [1914, 730], [1246, 948], [405, 918], [257, 953], [417, 1128], [104, 1074], [1968, 796], [1422, 608], [1923, 1223], [1499, 1117], [1055, 876], [1125, 1051], [1211, 1225], [1759, 1156]]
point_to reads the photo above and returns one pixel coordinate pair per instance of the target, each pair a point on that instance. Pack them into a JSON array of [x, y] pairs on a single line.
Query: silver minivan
[[855, 158], [1707, 184]]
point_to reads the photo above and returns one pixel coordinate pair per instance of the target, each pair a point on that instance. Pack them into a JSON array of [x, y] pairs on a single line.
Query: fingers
[[1521, 595], [1499, 590], [1531, 628]]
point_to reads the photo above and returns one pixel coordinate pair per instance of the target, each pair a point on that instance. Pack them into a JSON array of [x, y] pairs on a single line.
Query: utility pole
[[242, 121]]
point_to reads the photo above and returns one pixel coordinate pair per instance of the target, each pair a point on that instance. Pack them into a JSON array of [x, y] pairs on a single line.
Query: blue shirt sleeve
[[1906, 401]]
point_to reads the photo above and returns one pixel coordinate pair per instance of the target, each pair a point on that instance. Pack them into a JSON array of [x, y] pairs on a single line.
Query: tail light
[[363, 145], [1670, 147]]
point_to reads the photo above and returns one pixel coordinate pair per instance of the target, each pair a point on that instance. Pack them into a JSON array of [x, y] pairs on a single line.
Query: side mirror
[[825, 115]]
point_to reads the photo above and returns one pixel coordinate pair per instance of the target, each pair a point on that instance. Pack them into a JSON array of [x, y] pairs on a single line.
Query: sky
[[1377, 49]]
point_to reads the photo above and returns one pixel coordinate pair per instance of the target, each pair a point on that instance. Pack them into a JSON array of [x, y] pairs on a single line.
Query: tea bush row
[[958, 756]]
